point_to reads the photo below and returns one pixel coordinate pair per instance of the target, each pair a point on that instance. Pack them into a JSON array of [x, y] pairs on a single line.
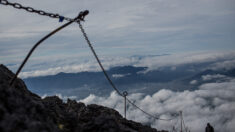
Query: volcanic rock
[[22, 110]]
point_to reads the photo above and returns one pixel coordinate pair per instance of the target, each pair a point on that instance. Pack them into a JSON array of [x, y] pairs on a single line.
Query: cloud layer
[[215, 60], [213, 102]]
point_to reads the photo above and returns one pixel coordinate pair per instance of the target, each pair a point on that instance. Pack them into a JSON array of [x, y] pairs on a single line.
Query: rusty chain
[[39, 12]]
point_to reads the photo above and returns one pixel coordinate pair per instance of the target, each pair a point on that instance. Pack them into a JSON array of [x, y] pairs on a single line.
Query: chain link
[[4, 2], [40, 12]]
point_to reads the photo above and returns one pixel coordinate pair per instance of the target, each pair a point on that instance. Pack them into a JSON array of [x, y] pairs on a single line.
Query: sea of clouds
[[212, 102]]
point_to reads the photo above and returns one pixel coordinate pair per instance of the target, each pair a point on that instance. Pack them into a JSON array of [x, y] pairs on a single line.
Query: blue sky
[[118, 28]]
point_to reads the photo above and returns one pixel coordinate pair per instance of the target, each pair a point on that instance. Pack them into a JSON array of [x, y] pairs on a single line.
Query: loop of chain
[[32, 10], [29, 9], [17, 6], [4, 2]]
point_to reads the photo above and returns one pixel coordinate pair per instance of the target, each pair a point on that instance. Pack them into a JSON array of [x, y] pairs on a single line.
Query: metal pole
[[125, 106], [34, 47], [79, 18], [124, 95], [181, 123]]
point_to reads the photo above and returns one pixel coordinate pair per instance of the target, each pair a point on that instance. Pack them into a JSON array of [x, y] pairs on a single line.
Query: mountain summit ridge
[[22, 110]]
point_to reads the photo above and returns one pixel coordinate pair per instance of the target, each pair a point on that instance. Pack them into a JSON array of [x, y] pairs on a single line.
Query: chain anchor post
[[181, 120], [124, 95]]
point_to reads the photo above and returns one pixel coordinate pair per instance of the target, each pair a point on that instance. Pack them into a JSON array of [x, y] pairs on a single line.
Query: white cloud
[[56, 70], [119, 75], [213, 102], [75, 66], [185, 58], [64, 98], [72, 65], [210, 77], [193, 82], [227, 64]]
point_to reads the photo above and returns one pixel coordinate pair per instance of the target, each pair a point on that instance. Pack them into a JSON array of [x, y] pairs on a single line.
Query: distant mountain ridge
[[126, 78]]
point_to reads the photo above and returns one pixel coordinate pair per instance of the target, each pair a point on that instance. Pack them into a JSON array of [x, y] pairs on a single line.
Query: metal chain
[[110, 81], [80, 18], [97, 58], [39, 12]]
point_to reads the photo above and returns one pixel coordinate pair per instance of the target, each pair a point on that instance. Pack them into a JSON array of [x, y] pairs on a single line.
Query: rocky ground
[[22, 110]]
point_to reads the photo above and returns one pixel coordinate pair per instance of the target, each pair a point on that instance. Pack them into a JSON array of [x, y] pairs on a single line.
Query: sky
[[117, 28], [181, 31]]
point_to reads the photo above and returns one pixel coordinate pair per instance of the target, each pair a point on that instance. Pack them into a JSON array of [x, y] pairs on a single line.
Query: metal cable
[[39, 12], [157, 118], [33, 48], [108, 78]]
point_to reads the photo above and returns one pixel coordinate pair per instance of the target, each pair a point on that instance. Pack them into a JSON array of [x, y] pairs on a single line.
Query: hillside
[[22, 110]]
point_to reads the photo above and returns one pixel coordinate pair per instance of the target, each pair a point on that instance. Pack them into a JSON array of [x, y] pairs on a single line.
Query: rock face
[[22, 110]]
